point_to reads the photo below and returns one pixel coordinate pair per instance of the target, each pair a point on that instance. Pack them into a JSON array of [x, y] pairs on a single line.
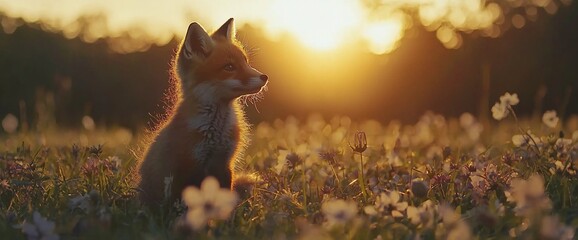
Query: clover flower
[[208, 202], [501, 109], [339, 211], [550, 119], [388, 203], [529, 195], [40, 228]]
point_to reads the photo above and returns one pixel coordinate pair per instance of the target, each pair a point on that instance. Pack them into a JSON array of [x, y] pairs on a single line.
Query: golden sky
[[320, 25]]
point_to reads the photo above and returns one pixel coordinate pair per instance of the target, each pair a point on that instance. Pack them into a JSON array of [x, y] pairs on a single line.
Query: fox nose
[[263, 77]]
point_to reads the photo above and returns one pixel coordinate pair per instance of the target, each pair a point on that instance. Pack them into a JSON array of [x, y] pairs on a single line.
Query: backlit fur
[[206, 133]]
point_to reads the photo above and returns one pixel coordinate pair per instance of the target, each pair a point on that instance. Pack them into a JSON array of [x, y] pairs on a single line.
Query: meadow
[[315, 178]]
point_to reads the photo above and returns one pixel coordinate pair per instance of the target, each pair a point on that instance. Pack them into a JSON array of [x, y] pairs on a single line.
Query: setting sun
[[383, 36], [319, 25]]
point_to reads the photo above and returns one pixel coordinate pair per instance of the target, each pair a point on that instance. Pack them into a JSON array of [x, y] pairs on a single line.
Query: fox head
[[215, 67]]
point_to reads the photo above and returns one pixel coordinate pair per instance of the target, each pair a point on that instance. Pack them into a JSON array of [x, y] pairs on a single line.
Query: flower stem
[[522, 130], [361, 178]]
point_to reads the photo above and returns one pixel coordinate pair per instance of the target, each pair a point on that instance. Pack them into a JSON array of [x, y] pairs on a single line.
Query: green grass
[[469, 183]]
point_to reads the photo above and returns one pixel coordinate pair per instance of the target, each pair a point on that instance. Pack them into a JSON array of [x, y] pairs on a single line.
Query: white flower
[[528, 195], [422, 215], [472, 127], [563, 142], [499, 111], [448, 215], [550, 119], [509, 99], [40, 228], [560, 167], [82, 202], [552, 228], [339, 211], [390, 203], [455, 226], [519, 140], [526, 139], [209, 202]]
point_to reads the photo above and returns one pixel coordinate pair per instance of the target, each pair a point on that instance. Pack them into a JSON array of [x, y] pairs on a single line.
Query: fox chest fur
[[193, 145], [217, 126]]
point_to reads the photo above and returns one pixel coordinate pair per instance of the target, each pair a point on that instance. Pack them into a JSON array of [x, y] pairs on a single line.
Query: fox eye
[[229, 67]]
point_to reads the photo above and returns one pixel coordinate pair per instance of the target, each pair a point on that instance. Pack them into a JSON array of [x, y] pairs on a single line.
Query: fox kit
[[206, 132]]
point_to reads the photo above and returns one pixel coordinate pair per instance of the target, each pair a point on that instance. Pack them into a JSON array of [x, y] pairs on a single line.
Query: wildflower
[[10, 123], [95, 150], [281, 161], [339, 211], [88, 123], [422, 215], [40, 228], [440, 181], [209, 202], [519, 140], [561, 167], [82, 202], [359, 142], [389, 203], [552, 228], [310, 231], [563, 142], [488, 178], [550, 119], [510, 99], [456, 228], [528, 195], [525, 139], [473, 128], [114, 163], [501, 109], [293, 160], [329, 156]]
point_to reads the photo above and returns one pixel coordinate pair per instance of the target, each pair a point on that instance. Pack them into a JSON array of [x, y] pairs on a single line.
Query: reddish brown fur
[[171, 152]]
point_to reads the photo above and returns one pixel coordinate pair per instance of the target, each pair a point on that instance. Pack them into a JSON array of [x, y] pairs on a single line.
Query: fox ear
[[197, 42], [227, 30]]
